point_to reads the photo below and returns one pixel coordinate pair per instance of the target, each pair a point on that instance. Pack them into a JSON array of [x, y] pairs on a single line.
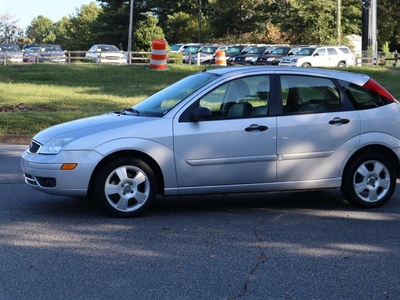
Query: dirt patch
[[21, 107]]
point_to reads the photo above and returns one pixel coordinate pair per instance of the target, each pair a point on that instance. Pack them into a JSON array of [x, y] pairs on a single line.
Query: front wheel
[[125, 187], [369, 181], [306, 65]]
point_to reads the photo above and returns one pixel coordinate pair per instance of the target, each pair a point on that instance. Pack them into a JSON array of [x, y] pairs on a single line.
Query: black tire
[[125, 187], [306, 65], [369, 180], [341, 64]]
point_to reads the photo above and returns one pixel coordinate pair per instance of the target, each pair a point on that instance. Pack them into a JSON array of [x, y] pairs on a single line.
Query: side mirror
[[201, 113]]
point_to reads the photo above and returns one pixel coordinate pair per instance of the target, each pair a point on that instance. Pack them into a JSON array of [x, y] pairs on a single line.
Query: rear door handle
[[253, 127], [338, 120]]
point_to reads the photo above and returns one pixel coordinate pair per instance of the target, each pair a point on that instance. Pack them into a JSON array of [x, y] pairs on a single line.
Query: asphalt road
[[306, 245]]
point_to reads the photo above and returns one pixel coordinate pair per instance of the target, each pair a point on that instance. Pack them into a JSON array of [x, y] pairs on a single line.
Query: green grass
[[58, 93], [52, 94]]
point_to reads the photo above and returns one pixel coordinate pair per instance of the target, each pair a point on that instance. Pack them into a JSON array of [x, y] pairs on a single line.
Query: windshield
[[233, 50], [51, 48], [9, 48], [306, 51], [256, 50], [280, 51], [176, 47], [108, 48], [208, 50], [192, 49], [161, 102]]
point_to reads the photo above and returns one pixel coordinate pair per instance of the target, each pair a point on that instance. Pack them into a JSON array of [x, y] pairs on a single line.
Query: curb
[[15, 139]]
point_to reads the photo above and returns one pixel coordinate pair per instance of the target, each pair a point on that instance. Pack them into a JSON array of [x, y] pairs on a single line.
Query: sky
[[26, 10]]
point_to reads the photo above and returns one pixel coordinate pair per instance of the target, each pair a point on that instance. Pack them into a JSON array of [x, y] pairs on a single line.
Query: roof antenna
[[209, 64]]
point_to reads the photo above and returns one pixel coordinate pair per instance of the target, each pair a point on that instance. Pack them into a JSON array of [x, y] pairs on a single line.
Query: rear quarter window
[[345, 50], [362, 98]]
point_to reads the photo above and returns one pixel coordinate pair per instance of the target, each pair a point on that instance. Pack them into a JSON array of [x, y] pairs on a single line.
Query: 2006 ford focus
[[227, 130]]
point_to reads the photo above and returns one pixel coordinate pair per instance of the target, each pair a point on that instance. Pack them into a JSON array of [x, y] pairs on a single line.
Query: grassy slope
[[56, 93]]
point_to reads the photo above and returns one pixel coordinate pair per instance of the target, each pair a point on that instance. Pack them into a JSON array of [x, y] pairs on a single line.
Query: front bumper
[[43, 172]]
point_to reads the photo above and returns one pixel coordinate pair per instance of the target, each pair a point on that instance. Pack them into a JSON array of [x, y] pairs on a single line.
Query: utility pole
[[130, 32], [338, 21], [369, 27], [199, 31]]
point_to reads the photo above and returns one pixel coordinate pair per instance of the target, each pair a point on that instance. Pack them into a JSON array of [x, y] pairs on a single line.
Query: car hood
[[12, 53], [295, 57], [96, 127], [274, 56], [50, 53]]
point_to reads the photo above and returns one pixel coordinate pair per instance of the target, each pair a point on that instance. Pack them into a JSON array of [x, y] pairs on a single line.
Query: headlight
[[54, 146], [294, 60]]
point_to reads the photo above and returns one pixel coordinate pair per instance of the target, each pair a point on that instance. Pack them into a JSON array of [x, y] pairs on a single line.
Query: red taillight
[[372, 85]]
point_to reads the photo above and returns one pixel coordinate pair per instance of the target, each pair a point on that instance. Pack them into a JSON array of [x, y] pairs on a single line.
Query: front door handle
[[257, 127], [338, 120]]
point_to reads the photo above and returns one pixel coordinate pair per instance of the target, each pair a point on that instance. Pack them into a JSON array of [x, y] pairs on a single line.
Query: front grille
[[34, 147]]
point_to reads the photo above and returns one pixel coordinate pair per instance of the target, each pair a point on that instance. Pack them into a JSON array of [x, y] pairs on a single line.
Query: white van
[[326, 56]]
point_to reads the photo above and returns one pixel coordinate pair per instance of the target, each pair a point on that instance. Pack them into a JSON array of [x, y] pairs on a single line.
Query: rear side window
[[345, 50], [369, 96], [308, 94]]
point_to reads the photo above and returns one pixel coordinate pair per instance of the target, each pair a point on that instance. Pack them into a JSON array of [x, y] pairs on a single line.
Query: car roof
[[356, 78]]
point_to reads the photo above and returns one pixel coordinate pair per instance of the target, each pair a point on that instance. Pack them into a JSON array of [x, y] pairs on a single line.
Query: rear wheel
[[125, 187], [369, 181], [341, 64]]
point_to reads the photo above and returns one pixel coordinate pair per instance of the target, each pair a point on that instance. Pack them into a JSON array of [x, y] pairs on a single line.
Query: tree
[[40, 30], [80, 29], [113, 22], [181, 26], [145, 32], [389, 24], [9, 30]]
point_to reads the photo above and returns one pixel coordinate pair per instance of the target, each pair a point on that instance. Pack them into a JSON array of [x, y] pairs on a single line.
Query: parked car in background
[[273, 58], [11, 53], [52, 53], [189, 50], [104, 53], [26, 47], [31, 54], [228, 130], [326, 56], [250, 57], [177, 48], [230, 53], [205, 54]]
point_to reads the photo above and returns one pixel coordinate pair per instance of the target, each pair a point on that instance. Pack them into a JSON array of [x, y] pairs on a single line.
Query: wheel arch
[[131, 154], [383, 150]]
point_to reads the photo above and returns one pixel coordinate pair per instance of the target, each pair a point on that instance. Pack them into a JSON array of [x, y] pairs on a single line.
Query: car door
[[315, 135], [320, 58], [234, 147]]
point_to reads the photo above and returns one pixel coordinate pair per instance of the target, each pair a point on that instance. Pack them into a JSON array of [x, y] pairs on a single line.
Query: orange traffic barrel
[[158, 57], [220, 58]]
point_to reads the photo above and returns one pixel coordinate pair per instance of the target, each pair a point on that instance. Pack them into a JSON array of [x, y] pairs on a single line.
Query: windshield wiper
[[130, 109]]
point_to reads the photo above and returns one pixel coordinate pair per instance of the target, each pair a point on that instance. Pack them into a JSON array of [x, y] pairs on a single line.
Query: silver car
[[11, 53], [228, 130]]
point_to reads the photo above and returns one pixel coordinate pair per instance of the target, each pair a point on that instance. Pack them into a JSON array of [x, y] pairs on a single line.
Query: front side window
[[308, 94], [240, 98], [321, 52]]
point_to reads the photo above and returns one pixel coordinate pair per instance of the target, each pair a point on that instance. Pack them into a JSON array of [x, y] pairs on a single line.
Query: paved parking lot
[[308, 245]]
